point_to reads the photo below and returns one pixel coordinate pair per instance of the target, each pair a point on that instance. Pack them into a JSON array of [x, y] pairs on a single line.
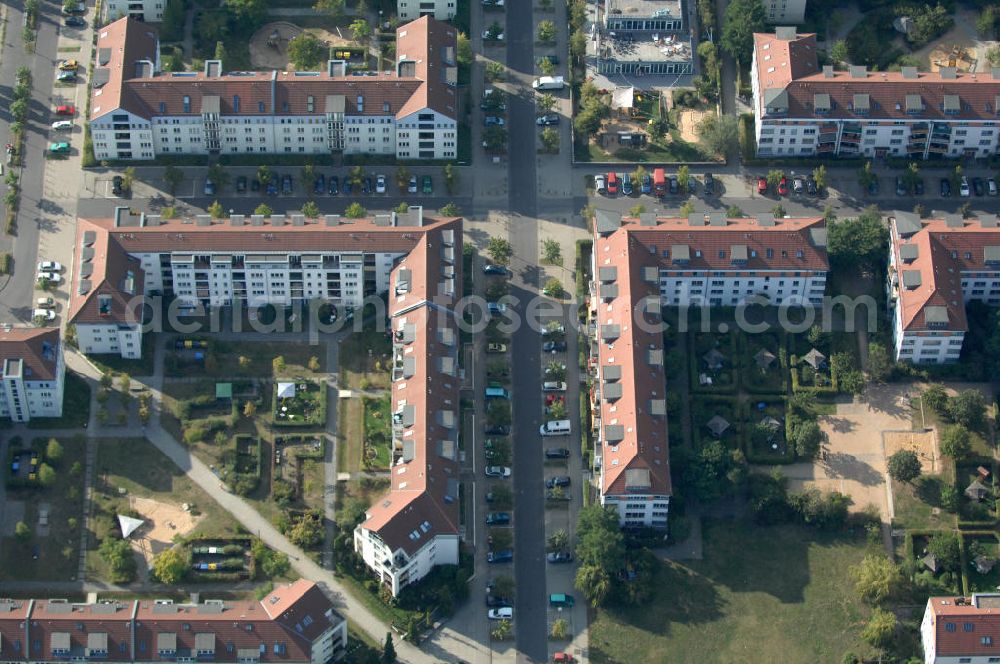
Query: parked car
[[562, 658], [66, 76], [241, 184], [498, 270], [761, 185], [977, 186], [43, 314], [66, 109], [380, 184], [495, 601], [411, 187], [68, 65], [497, 518], [554, 346], [547, 119], [558, 480], [272, 186], [286, 184], [427, 185], [75, 22], [504, 556], [50, 266], [116, 185], [496, 308], [945, 188], [347, 186], [709, 184], [674, 185], [209, 188], [600, 184], [319, 184], [503, 613], [900, 186], [554, 386], [646, 186], [333, 185], [873, 187], [51, 277], [557, 453], [551, 59], [497, 471], [78, 8], [45, 302], [551, 329], [783, 186], [490, 35], [991, 187], [491, 120], [496, 430], [59, 148], [496, 347], [798, 185], [559, 557], [963, 187]]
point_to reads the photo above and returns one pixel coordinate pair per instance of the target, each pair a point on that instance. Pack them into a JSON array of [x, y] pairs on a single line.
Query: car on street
[[59, 148], [496, 347], [900, 186], [66, 76], [209, 188], [241, 184], [68, 65], [427, 185], [963, 187], [255, 185], [272, 186], [43, 314], [493, 120], [78, 8], [646, 185], [51, 277], [562, 658], [554, 347], [496, 308], [333, 186], [547, 119], [709, 184], [554, 386], [380, 184], [553, 328], [497, 518], [504, 556], [555, 367], [496, 430], [600, 184], [626, 184], [490, 35], [49, 266], [319, 184], [116, 185], [45, 302], [675, 185], [556, 453], [977, 186], [873, 187], [798, 185], [783, 186], [411, 186], [761, 185], [559, 557], [558, 480], [497, 471], [918, 187], [498, 270], [286, 184], [503, 613], [991, 187], [75, 22], [811, 187], [945, 188]]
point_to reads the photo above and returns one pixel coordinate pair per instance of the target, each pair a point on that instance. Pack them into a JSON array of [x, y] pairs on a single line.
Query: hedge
[[832, 390], [318, 418], [731, 364]]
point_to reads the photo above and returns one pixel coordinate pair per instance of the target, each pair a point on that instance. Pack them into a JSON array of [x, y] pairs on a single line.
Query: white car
[[554, 386], [49, 266], [51, 277], [503, 613], [44, 314], [380, 184], [600, 184], [411, 188], [497, 471], [963, 188], [488, 35], [62, 125]]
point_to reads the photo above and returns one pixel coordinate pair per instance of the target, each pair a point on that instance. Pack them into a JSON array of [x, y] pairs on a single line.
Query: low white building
[[785, 12], [33, 373], [139, 112], [140, 10], [410, 10], [961, 630], [803, 110], [937, 266]]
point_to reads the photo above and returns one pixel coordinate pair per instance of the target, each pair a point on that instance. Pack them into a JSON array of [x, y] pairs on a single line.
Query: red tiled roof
[[110, 270], [944, 253], [141, 44], [960, 629], [37, 348], [789, 59], [425, 41], [83, 625], [13, 645]]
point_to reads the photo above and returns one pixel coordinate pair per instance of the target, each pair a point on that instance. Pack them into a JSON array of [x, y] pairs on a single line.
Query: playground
[[269, 45]]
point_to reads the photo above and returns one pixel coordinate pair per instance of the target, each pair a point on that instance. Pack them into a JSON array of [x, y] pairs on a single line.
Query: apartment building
[[643, 37], [962, 630], [33, 373], [411, 10], [785, 12], [140, 10], [937, 266], [209, 262], [641, 264], [414, 527], [139, 112], [294, 624], [802, 110]]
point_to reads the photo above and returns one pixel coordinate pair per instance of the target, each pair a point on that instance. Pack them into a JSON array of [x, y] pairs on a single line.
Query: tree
[[552, 252], [355, 211], [275, 563], [881, 628], [218, 174], [557, 541], [819, 177], [911, 176], [546, 31], [46, 475], [249, 409], [594, 582], [264, 174], [220, 51], [361, 30], [683, 178], [248, 11], [463, 49], [599, 538], [968, 408], [578, 44], [305, 51], [53, 451], [307, 533], [553, 288], [170, 566], [904, 466], [310, 209], [860, 243], [559, 630], [173, 176], [734, 212], [741, 20], [403, 178], [879, 362], [117, 554], [128, 177], [388, 651], [216, 211], [546, 66], [450, 210], [686, 209], [263, 209], [172, 26], [720, 134], [807, 438], [550, 140], [866, 177], [313, 364], [993, 55], [450, 177], [838, 52], [936, 398], [636, 210], [956, 442], [332, 8], [946, 548], [402, 208], [278, 365], [545, 103], [500, 250], [778, 211], [22, 532], [876, 577], [107, 380], [495, 71]]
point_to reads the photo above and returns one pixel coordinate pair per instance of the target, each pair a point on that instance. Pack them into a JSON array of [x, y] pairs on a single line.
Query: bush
[[904, 466]]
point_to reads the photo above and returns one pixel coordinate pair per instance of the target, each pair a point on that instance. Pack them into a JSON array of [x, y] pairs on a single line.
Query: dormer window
[[310, 104], [187, 104], [236, 103]]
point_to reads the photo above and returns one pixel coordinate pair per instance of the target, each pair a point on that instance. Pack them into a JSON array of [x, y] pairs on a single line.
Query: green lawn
[[76, 406], [222, 359], [915, 503], [378, 433], [777, 594], [116, 364]]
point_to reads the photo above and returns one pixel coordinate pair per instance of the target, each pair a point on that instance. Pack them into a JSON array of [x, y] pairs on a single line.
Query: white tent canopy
[[129, 524], [286, 390]]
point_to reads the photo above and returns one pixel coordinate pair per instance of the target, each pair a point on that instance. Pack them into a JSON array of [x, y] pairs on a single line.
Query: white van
[[554, 428], [554, 386], [548, 83]]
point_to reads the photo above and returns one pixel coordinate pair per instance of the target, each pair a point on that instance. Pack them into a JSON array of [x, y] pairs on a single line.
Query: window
[[187, 104], [986, 640], [236, 103], [260, 107], [949, 627], [968, 627]]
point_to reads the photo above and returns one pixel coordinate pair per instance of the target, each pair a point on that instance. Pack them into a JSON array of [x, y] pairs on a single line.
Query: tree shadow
[[848, 466]]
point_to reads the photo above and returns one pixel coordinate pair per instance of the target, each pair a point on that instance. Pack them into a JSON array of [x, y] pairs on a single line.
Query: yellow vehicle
[[69, 65]]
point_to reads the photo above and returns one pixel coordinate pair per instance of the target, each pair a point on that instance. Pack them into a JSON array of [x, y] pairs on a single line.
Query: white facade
[[324, 648], [113, 338], [122, 135], [23, 398], [646, 510], [142, 10], [395, 568], [409, 10], [785, 11], [726, 289], [426, 135]]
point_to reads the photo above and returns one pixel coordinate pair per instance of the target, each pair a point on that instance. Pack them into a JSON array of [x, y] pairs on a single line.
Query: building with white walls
[[643, 37], [785, 12], [139, 10], [802, 110], [937, 266], [961, 630], [139, 112], [641, 264], [34, 373], [411, 10]]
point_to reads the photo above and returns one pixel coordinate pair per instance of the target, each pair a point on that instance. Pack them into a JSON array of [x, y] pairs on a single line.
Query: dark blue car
[[504, 556], [319, 184]]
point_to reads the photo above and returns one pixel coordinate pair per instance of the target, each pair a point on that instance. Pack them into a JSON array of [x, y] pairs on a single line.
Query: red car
[[762, 185], [783, 187], [613, 184], [66, 110]]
